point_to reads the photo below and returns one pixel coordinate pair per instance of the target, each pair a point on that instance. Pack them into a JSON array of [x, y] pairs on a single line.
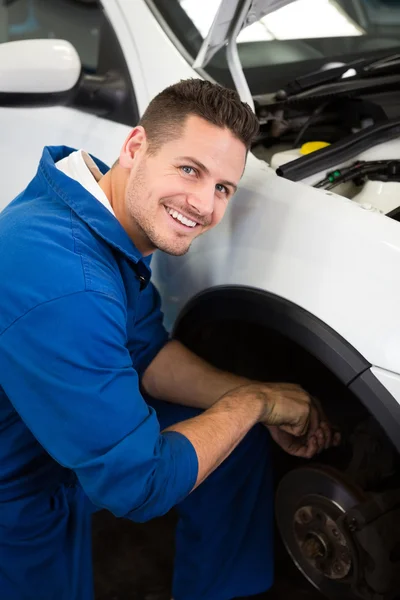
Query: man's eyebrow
[[206, 170]]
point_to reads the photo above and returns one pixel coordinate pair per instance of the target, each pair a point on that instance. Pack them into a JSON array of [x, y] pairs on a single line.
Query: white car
[[301, 280]]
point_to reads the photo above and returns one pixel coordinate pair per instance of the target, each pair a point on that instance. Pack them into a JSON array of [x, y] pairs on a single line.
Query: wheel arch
[[262, 308]]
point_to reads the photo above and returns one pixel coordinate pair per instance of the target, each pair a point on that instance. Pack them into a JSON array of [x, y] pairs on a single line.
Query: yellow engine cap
[[312, 147]]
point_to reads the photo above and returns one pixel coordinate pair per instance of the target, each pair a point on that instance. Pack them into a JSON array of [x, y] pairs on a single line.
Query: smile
[[181, 218]]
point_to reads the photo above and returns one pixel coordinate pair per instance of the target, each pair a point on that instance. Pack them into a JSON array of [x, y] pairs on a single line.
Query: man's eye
[[221, 188], [188, 170]]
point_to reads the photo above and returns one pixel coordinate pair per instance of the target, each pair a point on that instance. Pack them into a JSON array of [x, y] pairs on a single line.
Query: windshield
[[304, 36]]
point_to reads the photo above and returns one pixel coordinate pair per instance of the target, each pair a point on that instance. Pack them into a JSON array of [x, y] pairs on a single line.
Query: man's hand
[[319, 435], [286, 406], [218, 430], [295, 420]]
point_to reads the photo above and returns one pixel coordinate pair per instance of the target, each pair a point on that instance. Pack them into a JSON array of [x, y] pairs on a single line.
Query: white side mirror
[[38, 67]]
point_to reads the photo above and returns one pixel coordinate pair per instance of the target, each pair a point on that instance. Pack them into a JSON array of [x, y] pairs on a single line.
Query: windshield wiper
[[363, 67]]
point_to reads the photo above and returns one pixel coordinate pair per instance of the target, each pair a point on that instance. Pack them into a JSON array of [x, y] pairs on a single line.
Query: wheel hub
[[321, 542], [309, 502]]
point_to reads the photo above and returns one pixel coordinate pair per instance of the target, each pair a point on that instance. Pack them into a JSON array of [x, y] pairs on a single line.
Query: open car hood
[[231, 13]]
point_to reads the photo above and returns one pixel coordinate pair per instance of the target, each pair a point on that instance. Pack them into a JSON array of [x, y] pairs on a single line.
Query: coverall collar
[[89, 209]]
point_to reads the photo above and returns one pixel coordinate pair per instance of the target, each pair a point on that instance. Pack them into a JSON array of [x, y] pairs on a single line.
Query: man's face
[[183, 189]]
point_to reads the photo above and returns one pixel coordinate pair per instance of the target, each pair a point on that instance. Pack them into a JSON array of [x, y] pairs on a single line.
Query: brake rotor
[[309, 502]]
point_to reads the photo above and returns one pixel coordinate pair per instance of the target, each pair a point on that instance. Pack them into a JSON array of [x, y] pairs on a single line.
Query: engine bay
[[336, 138], [372, 179]]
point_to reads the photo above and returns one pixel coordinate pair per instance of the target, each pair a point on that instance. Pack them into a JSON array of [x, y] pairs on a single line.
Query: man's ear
[[135, 142]]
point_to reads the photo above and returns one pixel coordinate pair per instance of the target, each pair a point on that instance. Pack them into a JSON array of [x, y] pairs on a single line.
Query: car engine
[[371, 179]]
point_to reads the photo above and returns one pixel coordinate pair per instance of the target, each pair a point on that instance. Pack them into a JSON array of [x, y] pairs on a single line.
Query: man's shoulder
[[47, 253]]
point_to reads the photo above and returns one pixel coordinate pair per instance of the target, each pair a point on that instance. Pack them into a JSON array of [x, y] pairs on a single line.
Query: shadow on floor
[[133, 561]]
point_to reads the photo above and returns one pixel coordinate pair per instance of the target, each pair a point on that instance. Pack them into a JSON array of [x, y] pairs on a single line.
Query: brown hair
[[166, 114]]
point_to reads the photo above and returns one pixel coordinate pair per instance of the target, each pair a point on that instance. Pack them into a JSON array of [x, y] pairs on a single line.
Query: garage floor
[[134, 562]]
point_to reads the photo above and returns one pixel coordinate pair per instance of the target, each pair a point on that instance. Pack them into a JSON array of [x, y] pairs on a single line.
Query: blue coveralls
[[79, 324]]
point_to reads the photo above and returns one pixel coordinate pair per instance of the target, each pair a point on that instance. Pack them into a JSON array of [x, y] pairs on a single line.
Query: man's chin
[[175, 249]]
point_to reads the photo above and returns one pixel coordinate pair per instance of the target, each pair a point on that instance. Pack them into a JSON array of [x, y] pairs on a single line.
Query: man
[[97, 407]]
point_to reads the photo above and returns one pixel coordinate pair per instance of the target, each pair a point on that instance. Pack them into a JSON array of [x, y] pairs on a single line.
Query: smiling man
[[178, 185], [98, 408]]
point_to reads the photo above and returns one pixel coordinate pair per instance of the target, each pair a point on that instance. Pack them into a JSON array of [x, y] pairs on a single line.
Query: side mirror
[[38, 72]]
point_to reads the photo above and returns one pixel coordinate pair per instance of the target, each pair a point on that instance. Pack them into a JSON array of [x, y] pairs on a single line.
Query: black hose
[[342, 151]]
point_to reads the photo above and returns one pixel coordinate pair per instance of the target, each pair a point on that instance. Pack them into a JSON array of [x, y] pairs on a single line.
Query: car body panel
[[391, 381], [157, 58], [36, 127], [313, 248]]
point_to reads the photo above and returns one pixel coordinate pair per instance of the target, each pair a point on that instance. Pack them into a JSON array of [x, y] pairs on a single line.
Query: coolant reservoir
[[382, 195], [281, 158]]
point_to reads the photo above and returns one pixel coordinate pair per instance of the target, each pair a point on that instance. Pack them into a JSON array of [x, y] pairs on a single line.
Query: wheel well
[[262, 336], [257, 352], [263, 309]]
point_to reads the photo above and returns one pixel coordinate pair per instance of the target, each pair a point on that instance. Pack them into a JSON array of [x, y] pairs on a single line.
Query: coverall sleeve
[[69, 375], [150, 334]]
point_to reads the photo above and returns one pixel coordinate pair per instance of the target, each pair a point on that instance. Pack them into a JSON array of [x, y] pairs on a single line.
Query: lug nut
[[353, 524], [304, 516], [337, 567]]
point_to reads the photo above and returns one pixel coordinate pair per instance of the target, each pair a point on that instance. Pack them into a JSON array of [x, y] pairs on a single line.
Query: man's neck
[[113, 184]]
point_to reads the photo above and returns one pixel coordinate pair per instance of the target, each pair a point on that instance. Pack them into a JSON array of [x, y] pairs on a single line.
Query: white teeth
[[181, 218]]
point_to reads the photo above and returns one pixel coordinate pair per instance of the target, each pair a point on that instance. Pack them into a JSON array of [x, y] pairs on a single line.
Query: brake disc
[[309, 502]]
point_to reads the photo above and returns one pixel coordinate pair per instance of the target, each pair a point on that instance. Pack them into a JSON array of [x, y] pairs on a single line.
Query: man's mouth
[[177, 216]]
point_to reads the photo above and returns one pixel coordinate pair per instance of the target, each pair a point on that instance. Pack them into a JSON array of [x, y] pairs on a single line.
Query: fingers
[[298, 430], [308, 449], [305, 448], [297, 413], [323, 435], [323, 432], [320, 441], [320, 437], [308, 420], [314, 418], [311, 448], [326, 435]]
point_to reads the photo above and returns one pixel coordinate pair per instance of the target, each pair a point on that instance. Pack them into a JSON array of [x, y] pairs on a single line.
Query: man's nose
[[202, 201]]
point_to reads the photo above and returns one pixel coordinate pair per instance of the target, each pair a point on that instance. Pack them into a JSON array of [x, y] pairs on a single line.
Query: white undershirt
[[81, 167]]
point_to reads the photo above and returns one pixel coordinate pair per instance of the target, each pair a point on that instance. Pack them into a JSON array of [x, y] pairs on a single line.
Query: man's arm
[[218, 430], [215, 433], [179, 376], [81, 401]]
